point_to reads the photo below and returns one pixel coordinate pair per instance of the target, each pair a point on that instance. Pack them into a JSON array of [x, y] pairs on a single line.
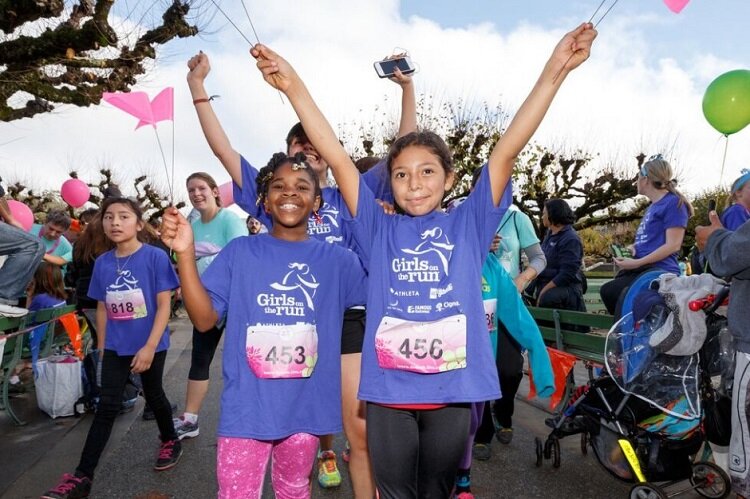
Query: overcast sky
[[640, 91]]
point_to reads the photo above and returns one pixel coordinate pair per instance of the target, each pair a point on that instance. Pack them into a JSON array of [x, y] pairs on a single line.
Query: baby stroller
[[644, 417]]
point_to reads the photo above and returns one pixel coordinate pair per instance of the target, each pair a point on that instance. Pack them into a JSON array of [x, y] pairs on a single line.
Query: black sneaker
[[482, 452], [169, 454], [504, 435], [70, 487]]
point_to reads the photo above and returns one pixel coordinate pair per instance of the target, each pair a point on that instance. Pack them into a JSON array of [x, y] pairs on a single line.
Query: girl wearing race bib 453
[[426, 354], [283, 295]]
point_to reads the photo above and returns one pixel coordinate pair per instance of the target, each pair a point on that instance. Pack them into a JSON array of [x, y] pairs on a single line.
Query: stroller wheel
[[584, 443], [647, 490], [710, 480], [555, 453], [539, 451]]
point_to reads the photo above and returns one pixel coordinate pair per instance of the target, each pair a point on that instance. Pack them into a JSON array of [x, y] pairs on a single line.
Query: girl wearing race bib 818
[[132, 285], [283, 295], [426, 354]]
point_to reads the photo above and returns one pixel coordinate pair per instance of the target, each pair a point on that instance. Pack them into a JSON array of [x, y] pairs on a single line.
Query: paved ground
[[34, 456]]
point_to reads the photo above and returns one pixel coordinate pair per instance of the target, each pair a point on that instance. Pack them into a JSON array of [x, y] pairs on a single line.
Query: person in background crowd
[[739, 212], [659, 235], [58, 250], [254, 226], [23, 253]]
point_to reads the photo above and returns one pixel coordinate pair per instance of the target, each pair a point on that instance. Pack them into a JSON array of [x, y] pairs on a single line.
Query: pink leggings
[[241, 466]]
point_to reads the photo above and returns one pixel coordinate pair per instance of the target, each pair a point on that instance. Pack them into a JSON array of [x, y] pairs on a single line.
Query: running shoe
[[464, 495], [11, 311], [346, 454], [169, 454], [70, 487], [482, 452], [504, 435], [185, 429], [328, 470]]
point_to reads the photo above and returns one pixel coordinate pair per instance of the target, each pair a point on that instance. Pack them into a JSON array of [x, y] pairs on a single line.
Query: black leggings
[[613, 292], [416, 453], [204, 348], [510, 371], [115, 371]]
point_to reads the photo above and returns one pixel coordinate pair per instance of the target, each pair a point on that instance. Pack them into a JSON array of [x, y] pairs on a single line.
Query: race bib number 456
[[282, 351], [422, 347]]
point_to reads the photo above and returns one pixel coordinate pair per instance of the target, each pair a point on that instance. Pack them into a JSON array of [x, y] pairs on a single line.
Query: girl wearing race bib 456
[[132, 285], [283, 295], [426, 354]]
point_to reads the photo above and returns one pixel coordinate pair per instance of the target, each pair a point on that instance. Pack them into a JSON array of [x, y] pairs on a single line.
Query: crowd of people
[[364, 308]]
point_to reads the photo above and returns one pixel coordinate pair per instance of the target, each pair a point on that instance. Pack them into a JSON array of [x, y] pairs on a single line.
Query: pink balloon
[[676, 6], [21, 213], [226, 195], [75, 192]]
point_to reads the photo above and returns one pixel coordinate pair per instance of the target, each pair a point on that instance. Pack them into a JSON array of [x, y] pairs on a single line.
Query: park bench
[[15, 331]]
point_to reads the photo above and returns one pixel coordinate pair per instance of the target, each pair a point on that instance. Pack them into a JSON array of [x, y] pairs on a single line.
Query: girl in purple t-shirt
[[283, 295], [132, 285], [660, 233], [427, 353], [739, 213]]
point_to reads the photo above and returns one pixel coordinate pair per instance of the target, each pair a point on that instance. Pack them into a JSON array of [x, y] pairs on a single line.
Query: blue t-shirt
[[424, 269], [330, 227], [262, 280], [652, 231], [734, 216], [43, 300], [130, 296], [212, 236]]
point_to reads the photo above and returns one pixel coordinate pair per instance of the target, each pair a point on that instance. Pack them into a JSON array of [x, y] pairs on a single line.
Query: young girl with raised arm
[[132, 285], [325, 224], [283, 295], [426, 354]]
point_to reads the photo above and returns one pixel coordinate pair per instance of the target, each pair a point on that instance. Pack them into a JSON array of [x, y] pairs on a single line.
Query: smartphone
[[385, 69]]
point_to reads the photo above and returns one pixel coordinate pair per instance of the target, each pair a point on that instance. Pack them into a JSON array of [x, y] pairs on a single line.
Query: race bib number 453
[[282, 351], [422, 347]]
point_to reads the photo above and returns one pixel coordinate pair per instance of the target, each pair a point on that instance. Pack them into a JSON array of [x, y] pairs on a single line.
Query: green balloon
[[726, 103]]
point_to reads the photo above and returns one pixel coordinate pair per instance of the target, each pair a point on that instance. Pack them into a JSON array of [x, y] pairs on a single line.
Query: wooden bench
[[15, 331]]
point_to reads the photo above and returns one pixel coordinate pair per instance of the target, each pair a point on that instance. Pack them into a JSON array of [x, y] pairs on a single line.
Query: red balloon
[[226, 194], [75, 192], [21, 213]]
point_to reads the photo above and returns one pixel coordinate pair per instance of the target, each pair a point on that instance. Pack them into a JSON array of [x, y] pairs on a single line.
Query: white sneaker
[[11, 311]]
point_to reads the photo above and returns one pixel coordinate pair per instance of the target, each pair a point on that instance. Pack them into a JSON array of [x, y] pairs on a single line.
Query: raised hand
[[198, 67], [574, 48], [176, 232], [276, 70], [398, 77]]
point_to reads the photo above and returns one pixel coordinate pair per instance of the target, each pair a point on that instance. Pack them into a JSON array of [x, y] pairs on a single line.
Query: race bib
[[422, 347], [282, 351], [490, 309], [125, 305]]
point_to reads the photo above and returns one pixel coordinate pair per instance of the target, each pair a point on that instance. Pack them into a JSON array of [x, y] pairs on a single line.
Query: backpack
[[90, 399]]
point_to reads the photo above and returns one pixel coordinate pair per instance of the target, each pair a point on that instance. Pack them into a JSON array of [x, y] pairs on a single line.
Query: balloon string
[[557, 75], [171, 182], [724, 159], [166, 168], [243, 34]]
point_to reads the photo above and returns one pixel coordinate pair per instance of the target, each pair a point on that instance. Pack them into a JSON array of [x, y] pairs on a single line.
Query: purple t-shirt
[[423, 269], [330, 228], [264, 281], [129, 295], [652, 231], [734, 216], [43, 300]]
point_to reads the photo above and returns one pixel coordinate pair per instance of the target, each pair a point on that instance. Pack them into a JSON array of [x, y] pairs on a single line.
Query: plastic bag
[[58, 385]]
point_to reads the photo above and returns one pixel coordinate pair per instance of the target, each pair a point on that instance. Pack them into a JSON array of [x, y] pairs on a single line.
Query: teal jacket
[[502, 302]]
